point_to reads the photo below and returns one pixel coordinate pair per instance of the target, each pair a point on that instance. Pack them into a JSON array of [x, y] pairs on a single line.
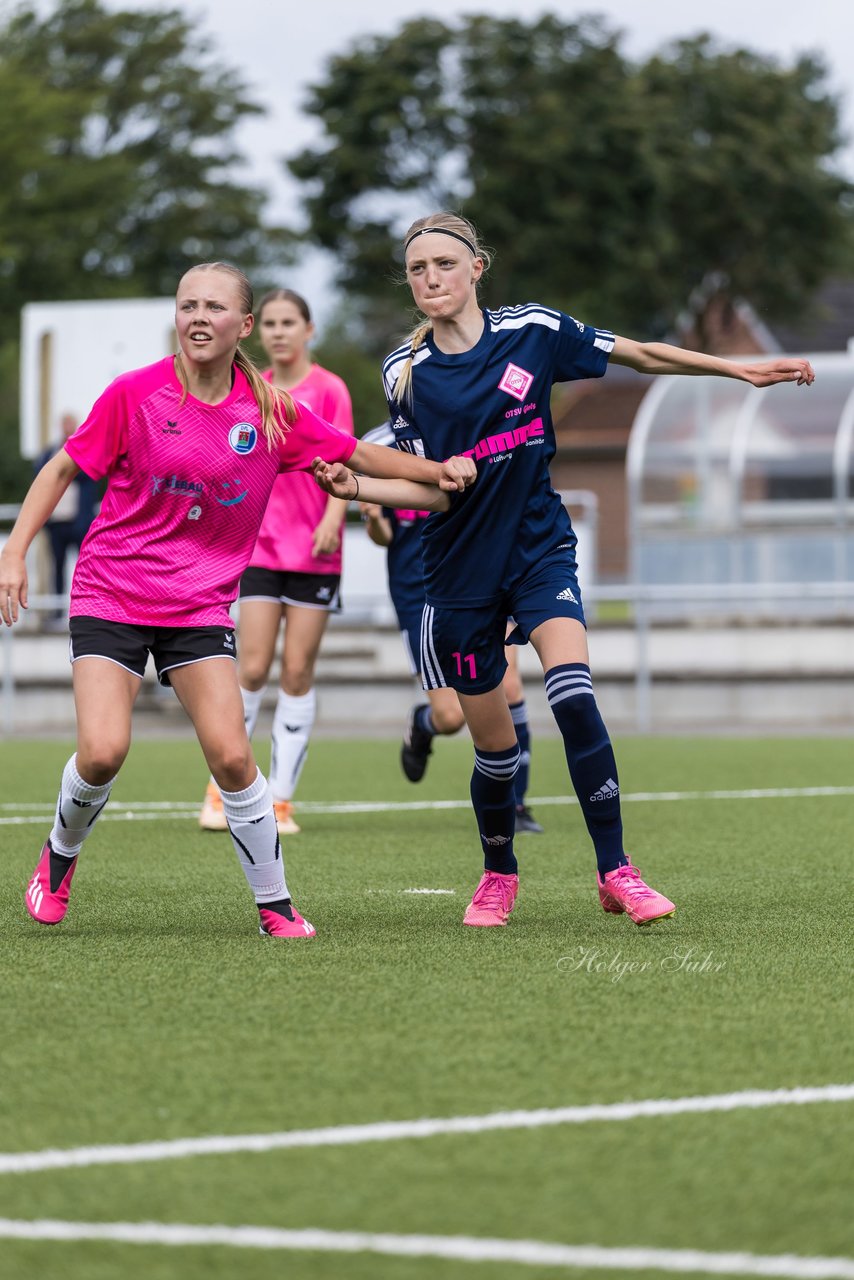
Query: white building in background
[[70, 351]]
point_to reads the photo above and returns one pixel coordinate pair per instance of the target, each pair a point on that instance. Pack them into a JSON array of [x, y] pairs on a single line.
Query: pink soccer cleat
[[493, 899], [623, 890], [46, 898], [292, 925]]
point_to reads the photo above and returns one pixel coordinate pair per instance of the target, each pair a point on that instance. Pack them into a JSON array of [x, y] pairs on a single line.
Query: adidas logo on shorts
[[607, 791], [566, 594]]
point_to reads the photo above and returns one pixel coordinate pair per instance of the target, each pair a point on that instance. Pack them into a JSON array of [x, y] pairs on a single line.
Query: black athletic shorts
[[129, 646], [311, 590]]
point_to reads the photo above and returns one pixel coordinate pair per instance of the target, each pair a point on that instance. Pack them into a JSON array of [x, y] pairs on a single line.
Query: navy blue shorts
[[129, 646], [409, 622], [463, 649]]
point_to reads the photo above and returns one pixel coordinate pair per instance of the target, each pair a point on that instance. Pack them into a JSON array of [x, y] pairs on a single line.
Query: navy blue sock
[[495, 807], [424, 719], [519, 713], [590, 757]]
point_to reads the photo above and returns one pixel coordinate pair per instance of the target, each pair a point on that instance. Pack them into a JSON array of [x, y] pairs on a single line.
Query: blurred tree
[[607, 188], [742, 148], [117, 152], [118, 158], [16, 472]]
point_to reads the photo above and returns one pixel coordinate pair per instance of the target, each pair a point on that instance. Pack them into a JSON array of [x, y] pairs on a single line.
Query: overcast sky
[[281, 46]]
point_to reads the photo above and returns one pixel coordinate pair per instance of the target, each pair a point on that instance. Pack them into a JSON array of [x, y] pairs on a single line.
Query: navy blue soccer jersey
[[492, 403], [405, 575]]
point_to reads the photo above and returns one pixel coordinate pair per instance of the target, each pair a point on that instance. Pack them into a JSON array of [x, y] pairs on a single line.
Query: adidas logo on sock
[[607, 791], [566, 594], [495, 840]]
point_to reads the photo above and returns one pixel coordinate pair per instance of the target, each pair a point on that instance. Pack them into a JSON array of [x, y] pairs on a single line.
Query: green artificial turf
[[156, 1012]]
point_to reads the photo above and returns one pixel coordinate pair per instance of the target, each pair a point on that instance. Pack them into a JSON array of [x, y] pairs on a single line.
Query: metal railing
[[752, 597], [645, 602]]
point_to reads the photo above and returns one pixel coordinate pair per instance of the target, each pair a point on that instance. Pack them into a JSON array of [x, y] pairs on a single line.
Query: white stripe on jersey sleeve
[[518, 317], [534, 313], [501, 312], [393, 364]]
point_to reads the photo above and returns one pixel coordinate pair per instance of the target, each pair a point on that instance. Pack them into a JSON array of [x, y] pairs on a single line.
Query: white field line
[[142, 810], [532, 1253], [450, 892], [396, 1130]]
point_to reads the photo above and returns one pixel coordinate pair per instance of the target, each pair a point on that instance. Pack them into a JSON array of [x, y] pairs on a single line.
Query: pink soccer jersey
[[188, 486], [296, 504]]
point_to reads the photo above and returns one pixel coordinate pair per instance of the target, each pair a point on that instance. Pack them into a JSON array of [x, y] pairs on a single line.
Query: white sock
[[252, 699], [77, 809], [256, 839], [292, 725]]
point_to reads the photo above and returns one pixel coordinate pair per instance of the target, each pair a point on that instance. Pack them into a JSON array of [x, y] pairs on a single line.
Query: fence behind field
[[723, 664]]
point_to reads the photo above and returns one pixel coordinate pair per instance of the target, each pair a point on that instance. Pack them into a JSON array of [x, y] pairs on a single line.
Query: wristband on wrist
[[356, 494]]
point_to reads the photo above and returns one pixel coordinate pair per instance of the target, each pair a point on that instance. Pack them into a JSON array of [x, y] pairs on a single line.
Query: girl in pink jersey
[[295, 570], [191, 447]]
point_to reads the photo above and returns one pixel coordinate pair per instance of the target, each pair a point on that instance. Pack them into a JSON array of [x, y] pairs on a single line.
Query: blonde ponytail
[[276, 406], [403, 386]]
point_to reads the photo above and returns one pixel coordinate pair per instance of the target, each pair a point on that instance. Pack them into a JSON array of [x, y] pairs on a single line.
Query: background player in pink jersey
[[191, 447], [295, 570]]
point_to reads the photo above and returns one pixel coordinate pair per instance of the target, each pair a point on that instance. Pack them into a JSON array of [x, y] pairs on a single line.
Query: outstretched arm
[[661, 357], [341, 482], [44, 493]]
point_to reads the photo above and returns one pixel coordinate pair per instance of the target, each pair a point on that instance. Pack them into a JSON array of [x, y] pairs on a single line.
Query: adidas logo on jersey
[[400, 423], [566, 594], [607, 791]]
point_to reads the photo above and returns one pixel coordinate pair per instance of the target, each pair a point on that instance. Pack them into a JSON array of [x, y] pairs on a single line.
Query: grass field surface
[[155, 1013]]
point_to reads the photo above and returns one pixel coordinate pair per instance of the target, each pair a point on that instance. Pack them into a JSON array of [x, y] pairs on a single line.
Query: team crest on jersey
[[515, 381], [243, 437]]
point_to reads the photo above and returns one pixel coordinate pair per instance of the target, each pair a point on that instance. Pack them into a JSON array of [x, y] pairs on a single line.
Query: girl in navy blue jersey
[[478, 383]]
